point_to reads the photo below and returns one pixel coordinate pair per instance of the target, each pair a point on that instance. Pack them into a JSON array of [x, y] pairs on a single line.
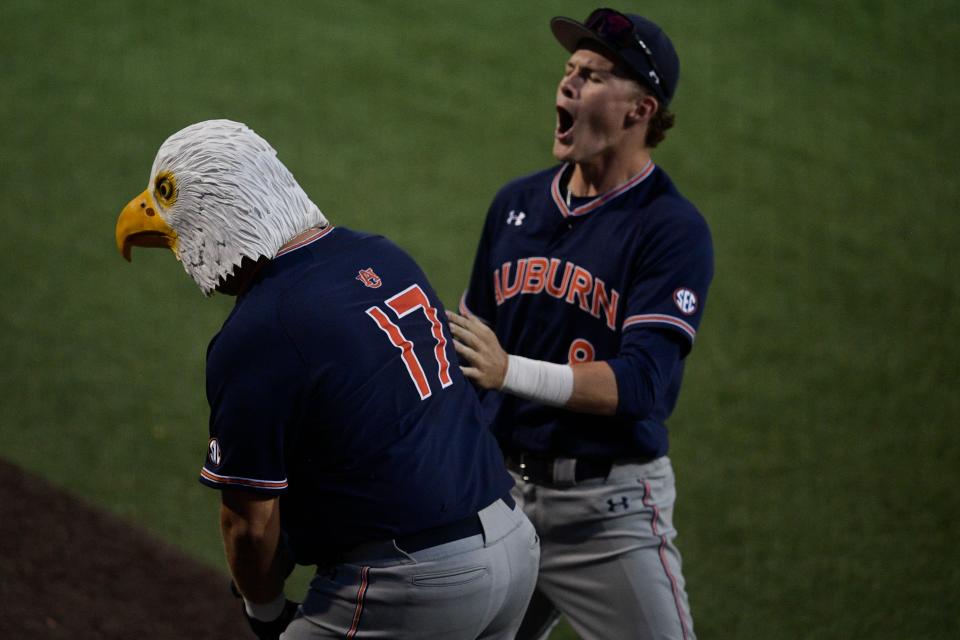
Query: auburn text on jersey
[[575, 285]]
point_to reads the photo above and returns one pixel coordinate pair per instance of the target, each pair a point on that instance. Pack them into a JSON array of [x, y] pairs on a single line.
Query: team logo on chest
[[369, 278], [516, 217], [686, 301], [563, 280]]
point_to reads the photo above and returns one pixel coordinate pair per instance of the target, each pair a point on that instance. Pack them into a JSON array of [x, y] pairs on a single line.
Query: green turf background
[[816, 440]]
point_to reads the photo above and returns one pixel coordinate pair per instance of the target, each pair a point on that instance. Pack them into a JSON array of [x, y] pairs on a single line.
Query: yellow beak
[[140, 225]]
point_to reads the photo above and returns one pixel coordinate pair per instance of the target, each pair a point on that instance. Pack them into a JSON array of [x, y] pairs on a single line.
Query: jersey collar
[[600, 200], [308, 237]]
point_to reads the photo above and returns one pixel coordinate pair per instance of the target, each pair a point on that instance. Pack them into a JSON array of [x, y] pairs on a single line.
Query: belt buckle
[[559, 472], [523, 467]]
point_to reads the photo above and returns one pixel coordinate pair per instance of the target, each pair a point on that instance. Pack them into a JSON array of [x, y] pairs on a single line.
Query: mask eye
[[165, 189]]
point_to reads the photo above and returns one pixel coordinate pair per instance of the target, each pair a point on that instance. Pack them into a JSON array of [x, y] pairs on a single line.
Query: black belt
[[457, 530], [556, 471]]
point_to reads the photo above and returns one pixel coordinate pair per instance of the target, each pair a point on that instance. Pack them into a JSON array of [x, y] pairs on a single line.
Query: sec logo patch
[[686, 301], [214, 455]]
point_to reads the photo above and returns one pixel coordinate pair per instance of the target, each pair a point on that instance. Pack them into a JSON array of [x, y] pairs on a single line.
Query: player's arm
[[589, 387], [250, 527], [594, 389]]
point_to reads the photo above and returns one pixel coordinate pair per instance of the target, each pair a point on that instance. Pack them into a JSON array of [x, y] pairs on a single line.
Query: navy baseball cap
[[640, 46]]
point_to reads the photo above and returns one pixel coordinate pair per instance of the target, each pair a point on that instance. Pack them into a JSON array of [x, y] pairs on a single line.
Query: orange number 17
[[403, 304]]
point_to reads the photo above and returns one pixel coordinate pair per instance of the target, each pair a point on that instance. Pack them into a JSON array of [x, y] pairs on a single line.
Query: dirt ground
[[71, 571]]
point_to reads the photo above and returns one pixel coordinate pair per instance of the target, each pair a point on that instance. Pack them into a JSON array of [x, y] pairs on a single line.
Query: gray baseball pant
[[608, 561], [474, 588]]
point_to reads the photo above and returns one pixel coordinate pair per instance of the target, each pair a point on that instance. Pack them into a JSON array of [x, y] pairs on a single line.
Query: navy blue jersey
[[594, 279], [334, 383]]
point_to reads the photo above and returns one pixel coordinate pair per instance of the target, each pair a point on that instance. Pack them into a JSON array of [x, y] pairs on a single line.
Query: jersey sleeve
[[480, 297], [643, 369], [254, 386], [668, 287]]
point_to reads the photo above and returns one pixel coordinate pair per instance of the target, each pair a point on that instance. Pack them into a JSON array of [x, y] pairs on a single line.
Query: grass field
[[816, 440]]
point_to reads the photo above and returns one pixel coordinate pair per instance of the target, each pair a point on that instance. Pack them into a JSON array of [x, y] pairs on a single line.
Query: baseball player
[[586, 294], [341, 434]]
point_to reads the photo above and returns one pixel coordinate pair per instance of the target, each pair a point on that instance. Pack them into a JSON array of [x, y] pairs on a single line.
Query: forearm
[[594, 389], [254, 554], [587, 387], [254, 566], [627, 386]]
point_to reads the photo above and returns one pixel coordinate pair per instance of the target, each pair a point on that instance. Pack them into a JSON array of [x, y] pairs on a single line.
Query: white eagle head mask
[[217, 194]]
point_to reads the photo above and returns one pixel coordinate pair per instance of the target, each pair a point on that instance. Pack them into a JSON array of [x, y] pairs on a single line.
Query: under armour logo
[[622, 503], [516, 217]]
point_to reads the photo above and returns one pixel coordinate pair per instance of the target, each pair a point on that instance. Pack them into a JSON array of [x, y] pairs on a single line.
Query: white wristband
[[544, 382], [266, 611]]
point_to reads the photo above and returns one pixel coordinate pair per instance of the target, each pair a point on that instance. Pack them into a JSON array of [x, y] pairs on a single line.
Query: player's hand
[[476, 343], [267, 630], [272, 630]]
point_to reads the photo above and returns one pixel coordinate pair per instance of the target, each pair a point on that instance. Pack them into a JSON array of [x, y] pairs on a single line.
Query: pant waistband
[[463, 528], [555, 471], [432, 537]]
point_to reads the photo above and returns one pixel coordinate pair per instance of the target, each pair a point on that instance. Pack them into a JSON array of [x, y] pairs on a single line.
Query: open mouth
[[151, 239], [564, 121]]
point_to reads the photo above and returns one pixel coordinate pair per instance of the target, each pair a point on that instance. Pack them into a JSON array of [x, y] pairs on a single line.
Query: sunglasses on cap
[[618, 29]]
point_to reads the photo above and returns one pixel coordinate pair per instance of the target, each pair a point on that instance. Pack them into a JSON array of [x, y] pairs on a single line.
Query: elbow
[[241, 531], [635, 409], [244, 534], [644, 372], [637, 393]]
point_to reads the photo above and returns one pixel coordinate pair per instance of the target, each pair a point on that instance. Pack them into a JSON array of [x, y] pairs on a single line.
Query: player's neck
[[602, 174]]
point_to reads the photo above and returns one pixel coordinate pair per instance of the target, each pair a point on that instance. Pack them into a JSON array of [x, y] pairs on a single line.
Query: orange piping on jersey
[[658, 318], [600, 200], [302, 242], [246, 482]]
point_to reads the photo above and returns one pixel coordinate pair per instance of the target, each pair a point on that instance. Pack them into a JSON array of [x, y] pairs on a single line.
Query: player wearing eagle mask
[[342, 433]]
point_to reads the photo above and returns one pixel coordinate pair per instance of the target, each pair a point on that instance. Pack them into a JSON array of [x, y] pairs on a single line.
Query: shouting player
[[585, 298], [340, 433]]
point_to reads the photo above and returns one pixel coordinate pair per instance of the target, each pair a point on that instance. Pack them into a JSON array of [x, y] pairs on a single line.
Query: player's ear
[[644, 107]]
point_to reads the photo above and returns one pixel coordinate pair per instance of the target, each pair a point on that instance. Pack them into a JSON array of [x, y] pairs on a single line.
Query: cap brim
[[571, 33]]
